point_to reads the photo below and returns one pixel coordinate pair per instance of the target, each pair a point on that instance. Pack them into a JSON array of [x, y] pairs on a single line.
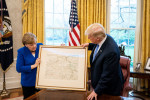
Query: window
[[123, 24], [57, 21]]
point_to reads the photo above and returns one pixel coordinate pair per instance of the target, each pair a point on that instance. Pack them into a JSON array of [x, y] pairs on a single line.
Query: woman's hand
[[37, 62]]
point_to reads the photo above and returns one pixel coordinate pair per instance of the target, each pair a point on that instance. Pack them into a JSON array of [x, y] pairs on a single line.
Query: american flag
[[74, 31]]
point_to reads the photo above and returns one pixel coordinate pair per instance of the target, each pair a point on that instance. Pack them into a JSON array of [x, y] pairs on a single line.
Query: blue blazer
[[23, 65], [106, 74]]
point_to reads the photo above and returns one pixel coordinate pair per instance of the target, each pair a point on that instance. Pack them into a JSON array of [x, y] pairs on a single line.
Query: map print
[[62, 67]]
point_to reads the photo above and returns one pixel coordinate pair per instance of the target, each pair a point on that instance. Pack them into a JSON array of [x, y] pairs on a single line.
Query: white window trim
[[138, 35], [108, 5]]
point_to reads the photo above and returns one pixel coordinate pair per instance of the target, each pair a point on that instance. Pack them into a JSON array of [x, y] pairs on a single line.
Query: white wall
[[15, 14]]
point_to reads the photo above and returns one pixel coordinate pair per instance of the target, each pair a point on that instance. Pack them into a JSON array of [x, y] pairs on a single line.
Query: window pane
[[66, 20], [60, 37], [129, 50], [120, 21], [125, 37], [132, 20], [57, 36], [48, 5], [131, 37], [58, 20], [66, 36], [67, 5], [120, 36], [49, 36], [58, 6], [114, 6], [123, 3], [48, 20]]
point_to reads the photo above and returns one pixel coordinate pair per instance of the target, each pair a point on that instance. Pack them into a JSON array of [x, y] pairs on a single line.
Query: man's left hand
[[92, 95]]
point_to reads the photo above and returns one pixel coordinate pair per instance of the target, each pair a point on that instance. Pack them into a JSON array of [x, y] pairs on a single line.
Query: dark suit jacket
[[106, 74]]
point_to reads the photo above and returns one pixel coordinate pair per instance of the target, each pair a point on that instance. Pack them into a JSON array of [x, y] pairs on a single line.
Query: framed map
[[62, 67]]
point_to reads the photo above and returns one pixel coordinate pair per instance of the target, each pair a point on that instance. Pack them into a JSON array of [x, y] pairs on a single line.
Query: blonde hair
[[29, 38], [96, 30]]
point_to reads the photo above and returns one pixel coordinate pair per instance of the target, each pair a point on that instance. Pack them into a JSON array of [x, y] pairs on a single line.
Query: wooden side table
[[142, 75]]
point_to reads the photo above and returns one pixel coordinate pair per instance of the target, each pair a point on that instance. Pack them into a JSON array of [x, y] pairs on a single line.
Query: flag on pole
[[6, 43], [74, 31]]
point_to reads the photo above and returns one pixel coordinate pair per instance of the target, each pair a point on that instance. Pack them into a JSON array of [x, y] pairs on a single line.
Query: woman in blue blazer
[[27, 62], [106, 74]]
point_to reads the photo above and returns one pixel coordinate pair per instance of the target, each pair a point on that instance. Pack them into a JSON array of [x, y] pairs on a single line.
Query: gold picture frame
[[62, 67], [147, 66]]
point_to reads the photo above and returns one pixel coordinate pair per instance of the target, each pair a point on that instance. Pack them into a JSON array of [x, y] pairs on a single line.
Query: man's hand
[[85, 45], [92, 96]]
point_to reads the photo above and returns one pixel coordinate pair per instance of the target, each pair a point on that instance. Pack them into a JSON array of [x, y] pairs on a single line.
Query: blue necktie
[[95, 52]]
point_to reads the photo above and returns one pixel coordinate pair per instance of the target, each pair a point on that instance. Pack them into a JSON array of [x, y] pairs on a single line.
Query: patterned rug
[[16, 98]]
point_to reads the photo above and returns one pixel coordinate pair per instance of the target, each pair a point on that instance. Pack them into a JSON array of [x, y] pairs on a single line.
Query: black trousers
[[28, 91]]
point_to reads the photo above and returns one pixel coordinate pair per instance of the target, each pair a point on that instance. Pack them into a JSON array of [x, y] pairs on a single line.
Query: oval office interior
[[63, 23]]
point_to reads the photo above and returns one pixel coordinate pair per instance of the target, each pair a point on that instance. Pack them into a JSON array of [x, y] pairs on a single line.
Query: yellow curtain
[[145, 50], [33, 18], [145, 32], [90, 11]]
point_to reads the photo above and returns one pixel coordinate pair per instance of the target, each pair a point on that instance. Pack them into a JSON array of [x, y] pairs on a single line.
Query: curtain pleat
[[33, 18], [145, 32], [145, 52]]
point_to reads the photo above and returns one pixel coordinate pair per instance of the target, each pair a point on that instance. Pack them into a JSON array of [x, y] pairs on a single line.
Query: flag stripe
[[76, 33], [75, 37], [78, 26], [72, 39], [70, 42]]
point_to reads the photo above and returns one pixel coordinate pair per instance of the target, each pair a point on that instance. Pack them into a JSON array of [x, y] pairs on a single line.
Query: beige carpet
[[16, 98]]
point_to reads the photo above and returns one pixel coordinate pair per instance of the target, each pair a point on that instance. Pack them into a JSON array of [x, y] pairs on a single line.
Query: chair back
[[125, 66]]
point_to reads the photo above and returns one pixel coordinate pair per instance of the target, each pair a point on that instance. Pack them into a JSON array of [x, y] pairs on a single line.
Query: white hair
[[96, 30]]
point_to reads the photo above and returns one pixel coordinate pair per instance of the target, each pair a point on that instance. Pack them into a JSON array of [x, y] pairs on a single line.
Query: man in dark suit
[[106, 74]]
